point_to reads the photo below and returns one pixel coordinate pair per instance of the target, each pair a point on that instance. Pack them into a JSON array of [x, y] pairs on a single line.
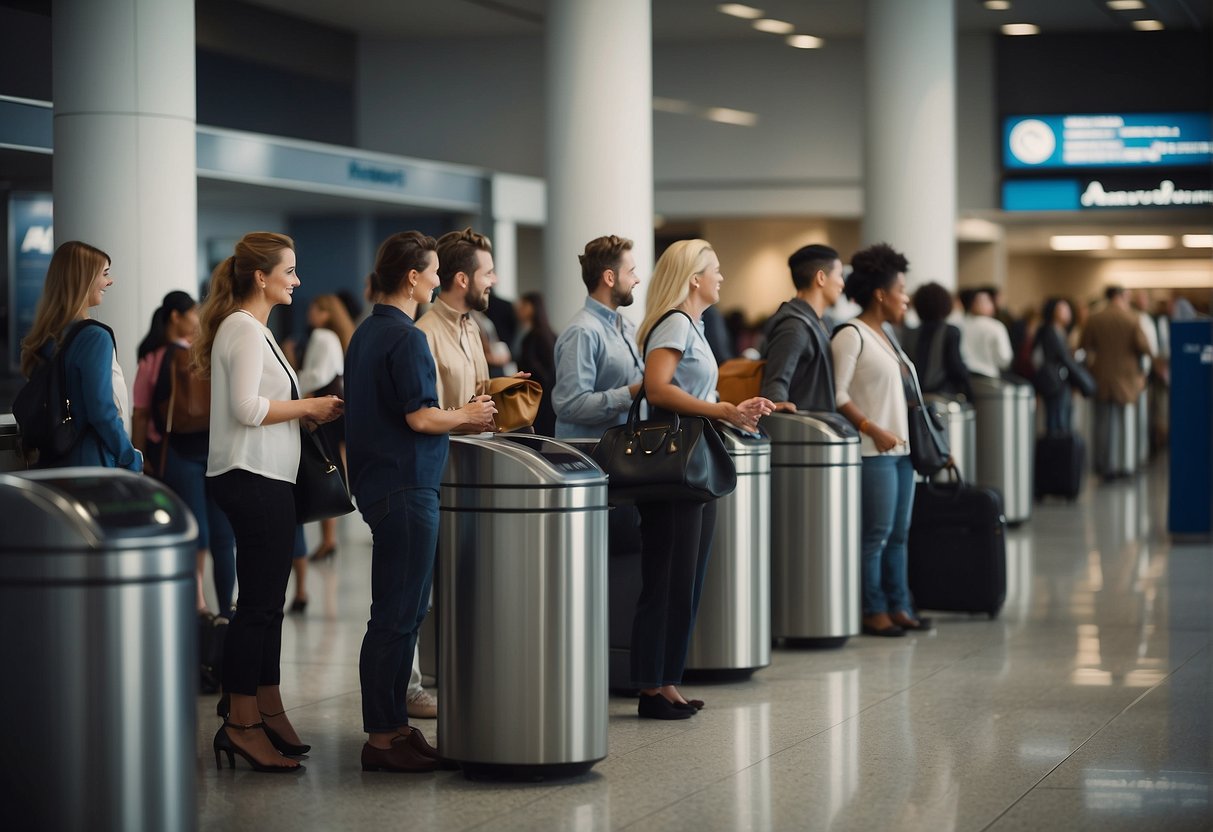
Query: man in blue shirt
[[598, 367]]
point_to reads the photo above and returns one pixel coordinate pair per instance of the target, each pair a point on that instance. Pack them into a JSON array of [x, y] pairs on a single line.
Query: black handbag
[[674, 459], [929, 451], [320, 488]]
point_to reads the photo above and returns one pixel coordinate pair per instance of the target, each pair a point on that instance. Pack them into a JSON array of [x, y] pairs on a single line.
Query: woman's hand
[[478, 414], [785, 407], [324, 409], [746, 414], [757, 407], [884, 440]]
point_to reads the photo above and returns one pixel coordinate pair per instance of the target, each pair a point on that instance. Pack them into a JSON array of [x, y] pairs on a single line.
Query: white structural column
[[125, 173], [909, 195], [599, 140]]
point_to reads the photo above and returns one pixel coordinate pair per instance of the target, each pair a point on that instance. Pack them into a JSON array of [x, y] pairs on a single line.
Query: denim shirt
[[596, 361]]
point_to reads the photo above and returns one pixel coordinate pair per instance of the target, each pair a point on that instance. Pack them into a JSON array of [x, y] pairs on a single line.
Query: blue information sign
[[1134, 140], [1106, 190], [30, 244]]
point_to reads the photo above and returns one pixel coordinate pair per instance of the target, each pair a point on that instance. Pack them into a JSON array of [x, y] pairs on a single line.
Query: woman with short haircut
[[254, 459], [397, 438], [679, 377], [935, 345], [176, 457], [76, 281], [869, 380]]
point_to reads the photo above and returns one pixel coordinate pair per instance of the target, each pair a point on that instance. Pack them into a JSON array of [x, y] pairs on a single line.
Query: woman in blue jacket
[[76, 281]]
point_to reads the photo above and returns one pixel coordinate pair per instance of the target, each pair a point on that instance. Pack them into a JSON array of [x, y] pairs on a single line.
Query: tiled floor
[[1086, 705]]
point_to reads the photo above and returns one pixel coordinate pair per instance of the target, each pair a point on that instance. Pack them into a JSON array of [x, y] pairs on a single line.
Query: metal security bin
[[732, 636], [97, 581], [960, 421], [1006, 443], [10, 452], [521, 601], [1116, 452], [816, 465]]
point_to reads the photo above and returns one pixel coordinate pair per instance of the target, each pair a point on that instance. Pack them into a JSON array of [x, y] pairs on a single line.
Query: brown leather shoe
[[419, 744], [402, 756]]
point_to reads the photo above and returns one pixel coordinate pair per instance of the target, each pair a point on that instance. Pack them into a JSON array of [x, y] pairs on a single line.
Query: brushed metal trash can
[[521, 601], [960, 420], [10, 451], [732, 635], [97, 572], [1006, 443], [1117, 436], [816, 465]]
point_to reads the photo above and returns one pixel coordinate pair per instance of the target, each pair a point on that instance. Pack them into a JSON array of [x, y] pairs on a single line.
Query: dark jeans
[[187, 476], [262, 513], [887, 487], [1057, 413], [404, 526], [677, 542]]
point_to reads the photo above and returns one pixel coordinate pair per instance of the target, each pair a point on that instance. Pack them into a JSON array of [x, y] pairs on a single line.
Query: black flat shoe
[[892, 631], [656, 706], [697, 704]]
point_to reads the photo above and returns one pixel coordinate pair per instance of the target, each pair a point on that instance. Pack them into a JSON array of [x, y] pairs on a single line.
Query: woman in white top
[[870, 390], [254, 458], [679, 376]]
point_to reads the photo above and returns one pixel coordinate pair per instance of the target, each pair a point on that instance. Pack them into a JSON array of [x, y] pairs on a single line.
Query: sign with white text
[[1137, 140], [31, 242]]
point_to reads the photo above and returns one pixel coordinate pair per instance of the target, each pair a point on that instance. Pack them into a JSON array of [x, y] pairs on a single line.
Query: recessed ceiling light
[[1020, 29], [1147, 25], [1150, 242], [1079, 242], [1198, 240], [739, 10], [725, 115], [1125, 5], [998, 5], [805, 42], [774, 27], [673, 105]]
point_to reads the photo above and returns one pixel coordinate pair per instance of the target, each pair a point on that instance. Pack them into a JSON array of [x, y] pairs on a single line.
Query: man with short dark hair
[[799, 373], [598, 366]]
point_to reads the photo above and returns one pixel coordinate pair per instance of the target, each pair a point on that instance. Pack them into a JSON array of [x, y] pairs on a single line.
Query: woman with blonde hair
[[76, 281], [679, 377], [254, 459]]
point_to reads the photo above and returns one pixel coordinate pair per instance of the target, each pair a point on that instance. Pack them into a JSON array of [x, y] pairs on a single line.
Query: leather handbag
[[674, 459], [929, 451], [740, 379], [517, 401]]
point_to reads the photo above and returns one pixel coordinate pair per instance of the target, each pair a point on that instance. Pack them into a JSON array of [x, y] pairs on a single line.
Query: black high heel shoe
[[223, 744], [289, 749], [299, 605]]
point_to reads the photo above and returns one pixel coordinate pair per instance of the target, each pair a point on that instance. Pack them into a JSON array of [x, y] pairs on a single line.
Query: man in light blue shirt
[[598, 367]]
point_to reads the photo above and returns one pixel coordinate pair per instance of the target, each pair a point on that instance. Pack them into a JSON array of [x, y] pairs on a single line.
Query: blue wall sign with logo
[[31, 243], [1109, 190], [1136, 140]]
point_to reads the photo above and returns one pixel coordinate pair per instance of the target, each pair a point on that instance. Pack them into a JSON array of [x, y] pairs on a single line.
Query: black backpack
[[42, 408]]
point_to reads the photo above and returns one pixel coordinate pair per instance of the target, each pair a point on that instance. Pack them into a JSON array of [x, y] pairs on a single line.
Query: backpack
[[42, 408], [740, 379], [181, 406]]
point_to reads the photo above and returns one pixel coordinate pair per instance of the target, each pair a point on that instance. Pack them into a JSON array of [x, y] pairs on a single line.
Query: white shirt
[[323, 361], [868, 372], [985, 345], [246, 375], [121, 397]]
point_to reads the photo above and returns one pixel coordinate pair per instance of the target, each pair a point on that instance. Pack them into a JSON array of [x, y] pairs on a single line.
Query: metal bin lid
[[985, 387], [949, 404], [751, 453], [512, 472]]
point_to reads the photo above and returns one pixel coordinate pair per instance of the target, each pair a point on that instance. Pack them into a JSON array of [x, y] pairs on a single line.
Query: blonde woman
[[679, 377], [76, 281], [254, 458]]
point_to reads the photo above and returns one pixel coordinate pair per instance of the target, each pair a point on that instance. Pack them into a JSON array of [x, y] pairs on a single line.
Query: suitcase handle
[[955, 483]]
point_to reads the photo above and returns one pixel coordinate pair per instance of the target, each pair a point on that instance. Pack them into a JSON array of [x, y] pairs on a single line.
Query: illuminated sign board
[[1108, 191], [1138, 140]]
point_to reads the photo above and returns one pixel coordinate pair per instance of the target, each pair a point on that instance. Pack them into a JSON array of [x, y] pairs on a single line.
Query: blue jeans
[[404, 528], [1057, 413], [186, 475], [888, 500]]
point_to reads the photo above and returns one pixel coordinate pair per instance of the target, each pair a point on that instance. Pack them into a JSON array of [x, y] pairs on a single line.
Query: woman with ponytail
[[253, 460], [179, 458]]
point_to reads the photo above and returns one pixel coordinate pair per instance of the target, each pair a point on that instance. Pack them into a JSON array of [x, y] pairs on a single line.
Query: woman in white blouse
[[870, 390], [254, 458]]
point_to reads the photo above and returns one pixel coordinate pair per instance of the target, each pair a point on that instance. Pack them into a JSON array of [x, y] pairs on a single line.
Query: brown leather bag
[[187, 408], [517, 401], [740, 379]]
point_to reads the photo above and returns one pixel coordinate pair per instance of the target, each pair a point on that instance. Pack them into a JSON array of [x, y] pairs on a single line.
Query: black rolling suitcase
[[1061, 462], [957, 549]]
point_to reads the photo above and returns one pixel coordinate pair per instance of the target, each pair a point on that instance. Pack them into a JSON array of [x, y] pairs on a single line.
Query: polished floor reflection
[[1086, 705]]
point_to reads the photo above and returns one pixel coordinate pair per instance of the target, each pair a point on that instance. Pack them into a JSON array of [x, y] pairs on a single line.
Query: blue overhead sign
[[31, 242], [1094, 192], [1134, 140]]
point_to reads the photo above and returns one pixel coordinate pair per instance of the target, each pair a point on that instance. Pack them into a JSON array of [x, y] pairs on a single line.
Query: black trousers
[[262, 513], [677, 542]]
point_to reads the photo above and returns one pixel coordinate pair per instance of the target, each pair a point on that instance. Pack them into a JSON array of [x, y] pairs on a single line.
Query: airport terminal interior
[[1027, 149]]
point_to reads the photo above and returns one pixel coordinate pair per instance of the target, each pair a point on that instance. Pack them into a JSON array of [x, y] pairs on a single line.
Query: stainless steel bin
[[522, 607], [10, 451], [732, 636], [1117, 438], [816, 466], [1006, 443], [960, 419], [97, 579]]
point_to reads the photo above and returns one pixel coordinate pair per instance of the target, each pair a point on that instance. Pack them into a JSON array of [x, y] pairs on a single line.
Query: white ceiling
[[699, 19]]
